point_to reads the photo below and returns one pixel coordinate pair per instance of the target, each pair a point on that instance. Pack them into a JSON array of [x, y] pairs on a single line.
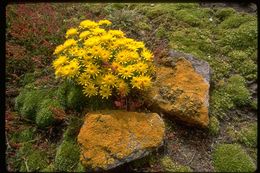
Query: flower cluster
[[103, 61]]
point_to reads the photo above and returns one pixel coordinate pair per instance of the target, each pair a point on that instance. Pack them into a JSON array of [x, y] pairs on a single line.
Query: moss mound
[[232, 158], [67, 156], [170, 166], [213, 125], [248, 135]]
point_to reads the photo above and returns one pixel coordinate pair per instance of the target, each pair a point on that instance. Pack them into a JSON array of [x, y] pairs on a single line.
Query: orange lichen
[[109, 136], [188, 105]]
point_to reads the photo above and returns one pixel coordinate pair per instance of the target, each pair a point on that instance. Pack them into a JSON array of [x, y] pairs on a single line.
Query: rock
[[110, 138], [181, 89]]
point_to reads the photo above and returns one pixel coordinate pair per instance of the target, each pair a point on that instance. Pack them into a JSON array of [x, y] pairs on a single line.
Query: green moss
[[248, 135], [170, 166], [49, 168], [220, 103], [223, 13], [235, 21], [67, 156], [213, 125], [253, 104], [80, 168], [232, 158], [23, 136], [237, 90], [73, 127], [35, 161], [161, 32], [45, 116]]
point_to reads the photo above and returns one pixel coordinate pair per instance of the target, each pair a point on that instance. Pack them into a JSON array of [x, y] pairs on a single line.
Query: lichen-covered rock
[[111, 138], [181, 89]]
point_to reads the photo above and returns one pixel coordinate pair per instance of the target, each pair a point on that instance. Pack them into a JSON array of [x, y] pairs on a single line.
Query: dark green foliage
[[67, 156], [232, 158], [213, 125], [75, 98], [28, 78], [73, 128], [28, 103], [45, 117]]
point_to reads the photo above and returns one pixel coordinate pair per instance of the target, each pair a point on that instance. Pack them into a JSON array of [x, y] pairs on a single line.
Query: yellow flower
[[147, 55], [126, 72], [104, 55], [92, 69], [98, 31], [109, 80], [59, 61], [84, 79], [84, 34], [59, 49], [141, 82], [73, 68], [69, 43], [105, 92], [106, 22], [93, 41], [88, 24], [90, 90], [117, 33], [141, 67], [71, 31]]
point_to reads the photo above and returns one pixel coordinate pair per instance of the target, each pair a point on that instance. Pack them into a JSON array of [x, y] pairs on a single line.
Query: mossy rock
[[67, 156], [232, 158], [170, 166], [248, 135], [213, 125], [224, 13], [234, 21], [45, 116]]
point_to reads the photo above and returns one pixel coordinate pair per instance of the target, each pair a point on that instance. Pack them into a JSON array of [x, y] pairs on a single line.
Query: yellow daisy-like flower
[[126, 72], [105, 92], [92, 69], [71, 31], [84, 34], [98, 31], [117, 33], [141, 82], [59, 49], [106, 37], [93, 41], [73, 68], [88, 24], [61, 60], [104, 22], [147, 55], [84, 79], [109, 80], [90, 90], [141, 67], [69, 43], [104, 55]]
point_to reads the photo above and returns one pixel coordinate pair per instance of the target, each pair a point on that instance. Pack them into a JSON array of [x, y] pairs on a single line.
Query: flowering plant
[[103, 61]]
